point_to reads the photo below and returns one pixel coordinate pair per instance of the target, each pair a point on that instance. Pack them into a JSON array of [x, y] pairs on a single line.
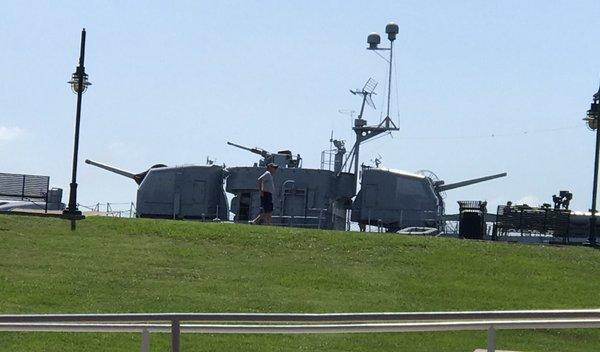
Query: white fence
[[239, 323]]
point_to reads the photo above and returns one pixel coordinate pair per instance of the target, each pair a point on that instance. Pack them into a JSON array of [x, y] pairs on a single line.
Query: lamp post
[[593, 114], [79, 83]]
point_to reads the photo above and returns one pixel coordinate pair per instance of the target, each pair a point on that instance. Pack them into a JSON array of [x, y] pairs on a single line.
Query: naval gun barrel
[[449, 186], [111, 169], [261, 152]]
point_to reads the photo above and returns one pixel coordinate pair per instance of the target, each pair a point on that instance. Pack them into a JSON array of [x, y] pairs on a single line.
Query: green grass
[[137, 265]]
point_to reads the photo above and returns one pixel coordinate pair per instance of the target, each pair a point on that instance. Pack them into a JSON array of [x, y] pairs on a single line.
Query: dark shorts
[[266, 202]]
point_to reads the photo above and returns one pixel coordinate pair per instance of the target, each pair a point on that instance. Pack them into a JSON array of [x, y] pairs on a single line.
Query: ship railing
[[310, 221], [111, 209], [301, 323]]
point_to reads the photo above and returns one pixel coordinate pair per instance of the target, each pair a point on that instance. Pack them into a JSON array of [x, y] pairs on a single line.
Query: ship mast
[[361, 129]]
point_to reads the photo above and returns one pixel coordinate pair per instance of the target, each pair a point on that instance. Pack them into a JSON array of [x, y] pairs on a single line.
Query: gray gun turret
[[282, 158], [440, 186], [178, 192], [138, 178], [397, 199]]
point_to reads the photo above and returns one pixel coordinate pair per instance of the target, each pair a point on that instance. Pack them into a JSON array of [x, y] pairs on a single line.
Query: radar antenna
[[435, 180], [361, 129], [366, 92]]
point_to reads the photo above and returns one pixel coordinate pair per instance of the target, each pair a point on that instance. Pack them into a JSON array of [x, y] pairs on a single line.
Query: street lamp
[[79, 83], [593, 114], [74, 82]]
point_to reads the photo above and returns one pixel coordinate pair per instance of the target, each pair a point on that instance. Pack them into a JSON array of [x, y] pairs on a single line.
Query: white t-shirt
[[267, 184]]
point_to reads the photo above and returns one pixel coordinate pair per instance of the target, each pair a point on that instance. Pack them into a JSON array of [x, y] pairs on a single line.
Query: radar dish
[[434, 179], [429, 174]]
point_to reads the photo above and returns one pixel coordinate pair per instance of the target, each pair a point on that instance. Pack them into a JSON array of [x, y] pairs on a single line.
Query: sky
[[479, 87]]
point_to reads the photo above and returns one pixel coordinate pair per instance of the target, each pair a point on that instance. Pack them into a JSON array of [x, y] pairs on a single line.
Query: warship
[[323, 198]]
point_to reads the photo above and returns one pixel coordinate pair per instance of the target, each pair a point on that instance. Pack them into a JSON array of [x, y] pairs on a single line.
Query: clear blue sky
[[483, 87]]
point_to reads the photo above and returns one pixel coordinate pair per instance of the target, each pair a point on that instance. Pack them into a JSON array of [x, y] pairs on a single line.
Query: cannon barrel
[[111, 169], [261, 152], [468, 182]]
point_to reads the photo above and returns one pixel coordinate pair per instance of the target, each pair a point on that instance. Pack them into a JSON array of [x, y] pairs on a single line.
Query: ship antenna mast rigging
[[361, 129]]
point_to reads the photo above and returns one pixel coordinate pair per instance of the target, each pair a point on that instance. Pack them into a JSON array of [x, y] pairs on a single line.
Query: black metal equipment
[[525, 219], [472, 219], [562, 200]]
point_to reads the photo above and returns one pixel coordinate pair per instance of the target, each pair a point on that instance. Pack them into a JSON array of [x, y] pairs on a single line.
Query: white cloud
[[9, 133], [530, 200]]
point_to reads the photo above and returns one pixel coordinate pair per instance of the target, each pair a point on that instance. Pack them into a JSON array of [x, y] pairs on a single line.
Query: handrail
[[319, 323], [305, 317], [308, 328]]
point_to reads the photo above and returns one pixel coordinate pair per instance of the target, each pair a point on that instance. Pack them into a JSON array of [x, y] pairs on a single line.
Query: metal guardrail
[[320, 323]]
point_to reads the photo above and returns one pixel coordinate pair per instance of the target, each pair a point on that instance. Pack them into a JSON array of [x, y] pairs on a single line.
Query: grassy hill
[[137, 265]]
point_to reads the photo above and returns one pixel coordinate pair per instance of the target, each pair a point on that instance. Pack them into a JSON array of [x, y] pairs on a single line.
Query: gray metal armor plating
[[397, 199], [183, 192], [303, 197], [179, 192]]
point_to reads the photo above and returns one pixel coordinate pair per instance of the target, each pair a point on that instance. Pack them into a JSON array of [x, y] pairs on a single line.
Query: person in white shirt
[[266, 186]]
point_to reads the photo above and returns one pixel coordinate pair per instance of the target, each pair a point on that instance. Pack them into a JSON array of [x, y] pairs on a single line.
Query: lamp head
[[592, 116], [76, 86], [592, 123]]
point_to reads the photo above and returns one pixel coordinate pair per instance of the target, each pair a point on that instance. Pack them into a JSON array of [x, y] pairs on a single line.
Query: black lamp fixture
[[79, 84], [74, 82], [593, 114]]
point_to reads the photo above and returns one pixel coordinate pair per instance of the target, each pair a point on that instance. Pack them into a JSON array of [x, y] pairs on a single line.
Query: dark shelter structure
[[25, 188], [472, 219]]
